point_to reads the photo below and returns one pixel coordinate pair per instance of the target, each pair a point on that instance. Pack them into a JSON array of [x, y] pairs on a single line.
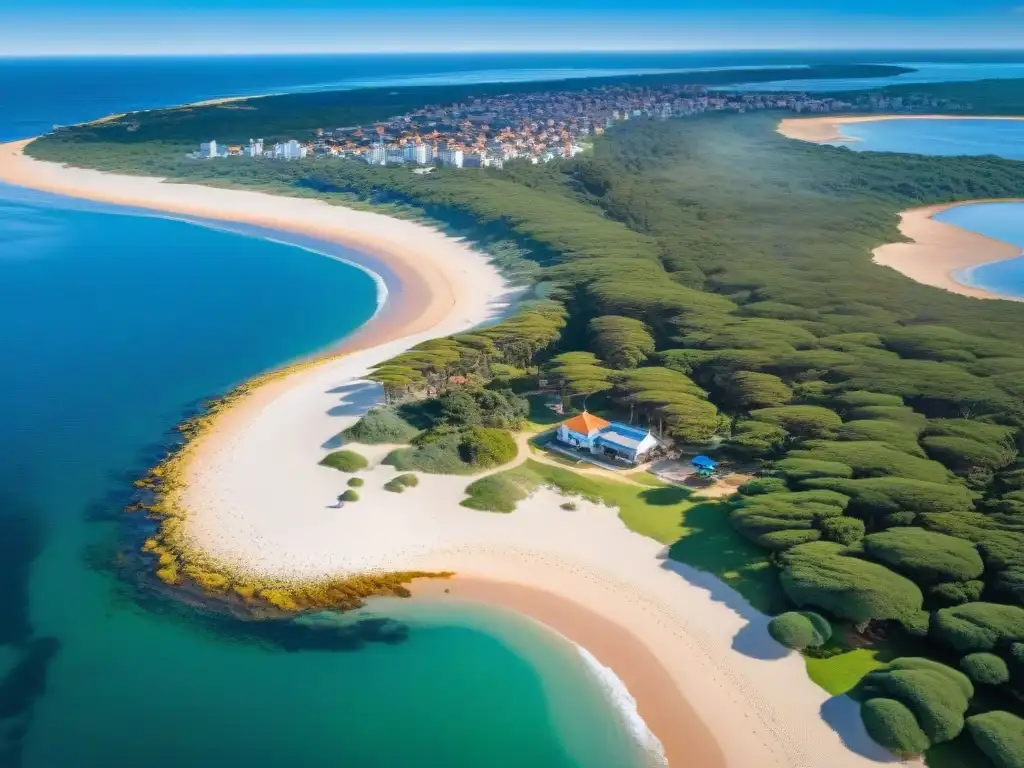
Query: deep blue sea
[[113, 327]]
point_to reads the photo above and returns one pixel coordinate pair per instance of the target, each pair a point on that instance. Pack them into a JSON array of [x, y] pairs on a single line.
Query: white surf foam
[[625, 705]]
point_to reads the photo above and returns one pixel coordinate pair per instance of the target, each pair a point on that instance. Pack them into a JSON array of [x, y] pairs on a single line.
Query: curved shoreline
[[258, 502], [938, 251], [826, 128]]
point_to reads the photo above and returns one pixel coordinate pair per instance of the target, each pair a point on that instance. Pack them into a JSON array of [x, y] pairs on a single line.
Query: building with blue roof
[[608, 439]]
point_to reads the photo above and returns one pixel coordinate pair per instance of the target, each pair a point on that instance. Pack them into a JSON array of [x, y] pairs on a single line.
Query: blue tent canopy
[[703, 462]]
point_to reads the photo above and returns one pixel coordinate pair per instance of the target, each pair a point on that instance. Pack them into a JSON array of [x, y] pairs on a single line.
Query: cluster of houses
[[539, 127]]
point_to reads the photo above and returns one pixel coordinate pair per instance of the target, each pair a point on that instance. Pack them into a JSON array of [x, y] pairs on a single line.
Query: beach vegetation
[[355, 482], [1000, 736], [349, 495], [400, 483], [935, 696], [976, 627], [800, 629], [344, 461], [623, 341], [985, 668], [821, 575], [380, 426], [498, 493], [924, 556]]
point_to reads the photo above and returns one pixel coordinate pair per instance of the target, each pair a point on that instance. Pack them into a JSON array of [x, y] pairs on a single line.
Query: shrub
[[936, 695], [494, 493], [780, 520], [957, 592], [803, 422], [842, 530], [1000, 735], [344, 461], [349, 495], [979, 626], [896, 434], [860, 398], [568, 506], [800, 630], [885, 495], [436, 452], [760, 485], [869, 458], [399, 483], [485, 447], [986, 668], [380, 425], [355, 482], [819, 575], [925, 556], [804, 469], [893, 725]]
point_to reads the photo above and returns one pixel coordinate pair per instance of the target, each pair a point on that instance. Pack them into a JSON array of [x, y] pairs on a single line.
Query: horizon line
[[466, 51]]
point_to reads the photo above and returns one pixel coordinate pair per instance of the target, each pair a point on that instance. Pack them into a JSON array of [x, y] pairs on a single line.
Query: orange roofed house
[[610, 439]]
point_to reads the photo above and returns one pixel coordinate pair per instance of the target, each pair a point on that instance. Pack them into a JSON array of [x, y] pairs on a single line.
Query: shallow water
[[1003, 221], [964, 136]]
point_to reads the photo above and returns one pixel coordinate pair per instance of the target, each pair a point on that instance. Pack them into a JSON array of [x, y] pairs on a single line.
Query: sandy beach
[[708, 679], [937, 251], [829, 127]]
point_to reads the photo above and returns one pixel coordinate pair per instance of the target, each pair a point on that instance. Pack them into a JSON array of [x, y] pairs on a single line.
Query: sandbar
[[826, 128], [937, 251], [714, 687]]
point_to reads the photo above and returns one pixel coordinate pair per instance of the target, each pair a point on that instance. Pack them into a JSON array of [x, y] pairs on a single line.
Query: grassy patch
[[498, 493], [344, 461], [461, 452], [839, 674], [540, 416], [401, 482], [699, 534], [380, 425]]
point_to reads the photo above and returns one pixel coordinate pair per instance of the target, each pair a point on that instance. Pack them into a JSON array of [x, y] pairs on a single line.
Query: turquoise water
[[1003, 221], [965, 136], [115, 326]]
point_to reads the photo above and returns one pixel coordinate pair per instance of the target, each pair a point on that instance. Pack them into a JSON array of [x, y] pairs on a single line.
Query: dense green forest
[[710, 277]]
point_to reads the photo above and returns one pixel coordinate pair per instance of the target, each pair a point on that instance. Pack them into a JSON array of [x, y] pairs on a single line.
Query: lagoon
[[960, 136], [1003, 221]]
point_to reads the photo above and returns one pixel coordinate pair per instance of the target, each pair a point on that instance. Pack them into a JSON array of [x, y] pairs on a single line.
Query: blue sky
[[257, 26]]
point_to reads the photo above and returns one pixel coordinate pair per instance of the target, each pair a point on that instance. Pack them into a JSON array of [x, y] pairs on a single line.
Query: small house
[[609, 439]]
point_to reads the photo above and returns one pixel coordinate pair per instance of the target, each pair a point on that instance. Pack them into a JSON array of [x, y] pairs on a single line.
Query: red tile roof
[[585, 423]]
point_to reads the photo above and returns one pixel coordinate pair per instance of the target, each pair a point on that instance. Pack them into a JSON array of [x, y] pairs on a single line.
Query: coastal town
[[539, 127]]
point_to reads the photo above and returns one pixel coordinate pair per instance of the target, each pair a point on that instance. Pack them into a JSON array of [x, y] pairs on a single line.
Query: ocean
[[115, 327]]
